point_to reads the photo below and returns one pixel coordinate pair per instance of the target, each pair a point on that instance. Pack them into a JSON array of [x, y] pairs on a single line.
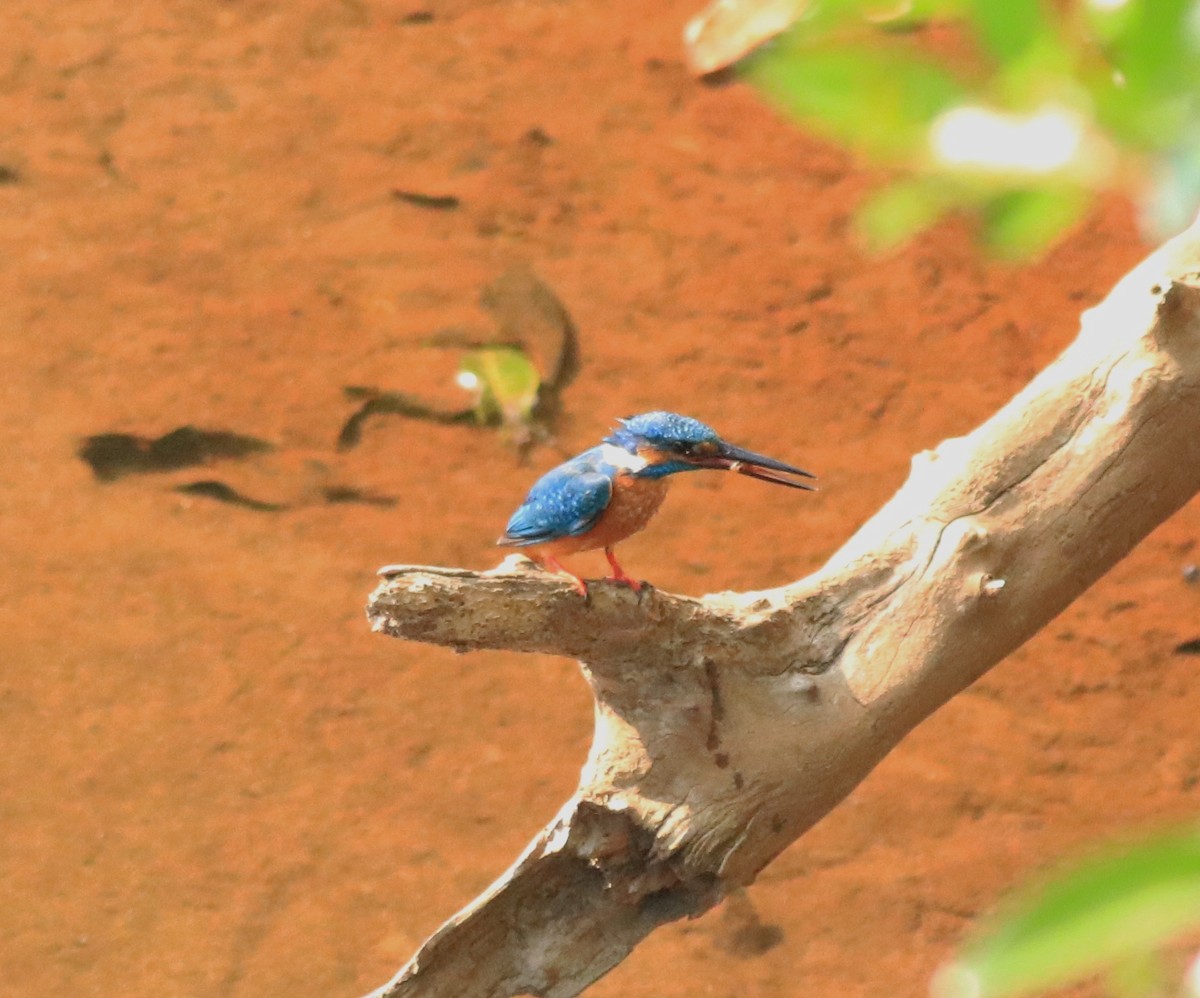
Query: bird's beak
[[767, 469]]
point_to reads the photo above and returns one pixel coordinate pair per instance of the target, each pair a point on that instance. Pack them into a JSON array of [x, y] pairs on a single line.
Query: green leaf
[[1137, 976], [1022, 223], [876, 98], [918, 11], [1108, 911], [1146, 89], [823, 17], [897, 213], [1009, 28], [1108, 22], [1157, 47], [505, 384]]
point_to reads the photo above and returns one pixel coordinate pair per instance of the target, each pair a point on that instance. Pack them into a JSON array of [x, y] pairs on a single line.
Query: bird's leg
[[619, 573], [552, 563]]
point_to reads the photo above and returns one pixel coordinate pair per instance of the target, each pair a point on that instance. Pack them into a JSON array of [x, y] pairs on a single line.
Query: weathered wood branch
[[727, 725]]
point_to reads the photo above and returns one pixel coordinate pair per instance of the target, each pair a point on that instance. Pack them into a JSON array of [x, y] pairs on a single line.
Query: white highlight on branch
[[991, 586]]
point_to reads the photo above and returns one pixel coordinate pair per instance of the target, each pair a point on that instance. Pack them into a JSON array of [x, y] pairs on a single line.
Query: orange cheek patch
[[652, 455]]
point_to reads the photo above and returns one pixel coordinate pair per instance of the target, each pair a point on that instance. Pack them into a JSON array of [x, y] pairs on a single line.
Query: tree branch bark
[[728, 725]]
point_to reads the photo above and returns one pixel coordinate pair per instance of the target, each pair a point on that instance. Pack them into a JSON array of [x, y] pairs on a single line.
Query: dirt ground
[[215, 781]]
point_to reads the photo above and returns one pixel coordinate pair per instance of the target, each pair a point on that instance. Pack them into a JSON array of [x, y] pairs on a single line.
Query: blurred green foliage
[[1017, 111], [1110, 915], [504, 384]]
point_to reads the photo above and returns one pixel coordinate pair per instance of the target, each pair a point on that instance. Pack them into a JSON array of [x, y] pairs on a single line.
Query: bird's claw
[[641, 590], [639, 587]]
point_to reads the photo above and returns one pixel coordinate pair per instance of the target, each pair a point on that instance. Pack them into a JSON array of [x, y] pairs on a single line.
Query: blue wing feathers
[[565, 502]]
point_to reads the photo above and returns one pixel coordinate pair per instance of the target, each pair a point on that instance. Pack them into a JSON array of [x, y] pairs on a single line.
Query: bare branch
[[727, 725]]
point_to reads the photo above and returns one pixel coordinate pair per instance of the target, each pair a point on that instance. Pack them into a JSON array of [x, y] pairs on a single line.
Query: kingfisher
[[610, 492]]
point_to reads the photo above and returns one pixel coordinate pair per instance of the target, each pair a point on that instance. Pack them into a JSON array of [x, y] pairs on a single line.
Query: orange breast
[[634, 503]]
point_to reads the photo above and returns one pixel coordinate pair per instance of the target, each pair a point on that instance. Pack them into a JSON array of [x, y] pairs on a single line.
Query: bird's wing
[[565, 502]]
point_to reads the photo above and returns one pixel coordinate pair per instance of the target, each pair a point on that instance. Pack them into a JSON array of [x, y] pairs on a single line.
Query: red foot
[[579, 585], [619, 573]]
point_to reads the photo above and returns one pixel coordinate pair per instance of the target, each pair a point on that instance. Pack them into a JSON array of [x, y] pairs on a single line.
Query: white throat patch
[[619, 457]]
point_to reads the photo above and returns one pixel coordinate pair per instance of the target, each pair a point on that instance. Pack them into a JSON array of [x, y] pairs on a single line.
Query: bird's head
[[670, 443]]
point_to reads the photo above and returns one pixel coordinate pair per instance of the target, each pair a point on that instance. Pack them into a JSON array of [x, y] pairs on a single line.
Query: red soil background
[[215, 781]]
